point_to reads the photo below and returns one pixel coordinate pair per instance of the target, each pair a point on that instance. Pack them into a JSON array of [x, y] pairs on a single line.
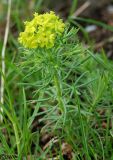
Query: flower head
[[42, 31]]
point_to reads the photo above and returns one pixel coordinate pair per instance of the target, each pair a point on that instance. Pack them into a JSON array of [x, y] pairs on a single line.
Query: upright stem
[[85, 143], [17, 137], [59, 91], [57, 83], [15, 127]]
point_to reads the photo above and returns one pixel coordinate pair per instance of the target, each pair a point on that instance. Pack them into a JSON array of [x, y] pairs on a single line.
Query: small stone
[[90, 28], [110, 9]]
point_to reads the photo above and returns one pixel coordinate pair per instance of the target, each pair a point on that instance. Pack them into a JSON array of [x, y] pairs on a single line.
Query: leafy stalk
[[59, 91]]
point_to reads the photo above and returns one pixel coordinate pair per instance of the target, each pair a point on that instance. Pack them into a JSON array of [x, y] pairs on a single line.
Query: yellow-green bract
[[42, 31]]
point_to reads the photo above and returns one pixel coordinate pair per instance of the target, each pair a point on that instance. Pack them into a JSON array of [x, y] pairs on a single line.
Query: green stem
[[14, 126], [17, 137], [85, 143], [59, 91]]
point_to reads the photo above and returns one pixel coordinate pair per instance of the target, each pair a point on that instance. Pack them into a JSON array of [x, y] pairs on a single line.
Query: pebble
[[90, 28], [110, 9]]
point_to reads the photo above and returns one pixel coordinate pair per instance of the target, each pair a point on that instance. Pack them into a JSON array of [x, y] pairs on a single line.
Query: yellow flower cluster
[[42, 31]]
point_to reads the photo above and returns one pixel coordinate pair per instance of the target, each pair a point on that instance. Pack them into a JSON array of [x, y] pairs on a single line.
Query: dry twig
[[3, 55], [81, 9]]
